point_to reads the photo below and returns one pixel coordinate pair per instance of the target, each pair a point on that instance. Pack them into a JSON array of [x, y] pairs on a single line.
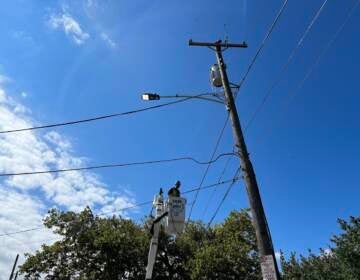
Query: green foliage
[[114, 248], [230, 251], [342, 262], [348, 247], [91, 248]]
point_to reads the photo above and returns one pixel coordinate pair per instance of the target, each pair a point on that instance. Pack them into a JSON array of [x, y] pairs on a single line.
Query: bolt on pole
[[267, 256]]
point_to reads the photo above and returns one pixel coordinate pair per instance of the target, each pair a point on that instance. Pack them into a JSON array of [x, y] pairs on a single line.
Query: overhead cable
[[232, 183], [102, 117], [286, 65], [208, 166], [128, 207], [115, 165], [262, 45], [214, 190], [312, 67], [272, 26]]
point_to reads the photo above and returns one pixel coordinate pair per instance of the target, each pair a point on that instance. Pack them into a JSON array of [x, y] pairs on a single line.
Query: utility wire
[[214, 190], [208, 166], [323, 52], [125, 208], [118, 165], [316, 62], [272, 26], [232, 183], [103, 116], [252, 63], [20, 231], [286, 65], [212, 185], [195, 189]]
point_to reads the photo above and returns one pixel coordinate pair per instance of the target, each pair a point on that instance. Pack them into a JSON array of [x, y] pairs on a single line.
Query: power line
[[214, 190], [125, 208], [208, 166], [130, 207], [272, 26], [118, 165], [212, 185], [103, 116], [232, 183], [316, 62], [20, 231], [267, 36], [324, 50], [286, 65]]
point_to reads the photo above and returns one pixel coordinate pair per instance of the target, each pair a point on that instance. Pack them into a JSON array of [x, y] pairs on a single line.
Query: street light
[[150, 96]]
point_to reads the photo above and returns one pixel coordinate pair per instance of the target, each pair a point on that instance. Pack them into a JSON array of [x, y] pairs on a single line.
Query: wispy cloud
[[23, 36], [20, 208], [19, 211], [91, 3], [4, 79], [92, 8], [70, 26], [106, 38]]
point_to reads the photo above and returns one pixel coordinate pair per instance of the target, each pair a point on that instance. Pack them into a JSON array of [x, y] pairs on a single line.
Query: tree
[[341, 262], [90, 248], [230, 251], [348, 247], [115, 248]]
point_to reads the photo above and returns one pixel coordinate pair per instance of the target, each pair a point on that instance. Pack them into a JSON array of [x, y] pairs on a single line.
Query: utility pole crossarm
[[218, 44]]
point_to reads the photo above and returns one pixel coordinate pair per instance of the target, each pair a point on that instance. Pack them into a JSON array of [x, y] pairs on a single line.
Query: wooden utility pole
[[13, 269], [267, 256]]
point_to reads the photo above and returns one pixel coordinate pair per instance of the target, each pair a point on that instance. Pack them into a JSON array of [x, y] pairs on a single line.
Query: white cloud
[[4, 79], [92, 8], [30, 151], [23, 36], [118, 203], [24, 94], [17, 212], [90, 3], [70, 26], [2, 95], [108, 40]]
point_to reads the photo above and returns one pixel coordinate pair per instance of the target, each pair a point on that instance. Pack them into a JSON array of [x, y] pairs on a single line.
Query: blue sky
[[66, 60]]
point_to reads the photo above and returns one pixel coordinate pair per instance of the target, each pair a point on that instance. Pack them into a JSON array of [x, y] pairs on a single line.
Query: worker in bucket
[[174, 191]]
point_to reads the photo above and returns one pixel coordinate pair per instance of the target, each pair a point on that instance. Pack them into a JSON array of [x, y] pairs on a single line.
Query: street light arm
[[195, 97], [154, 96]]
